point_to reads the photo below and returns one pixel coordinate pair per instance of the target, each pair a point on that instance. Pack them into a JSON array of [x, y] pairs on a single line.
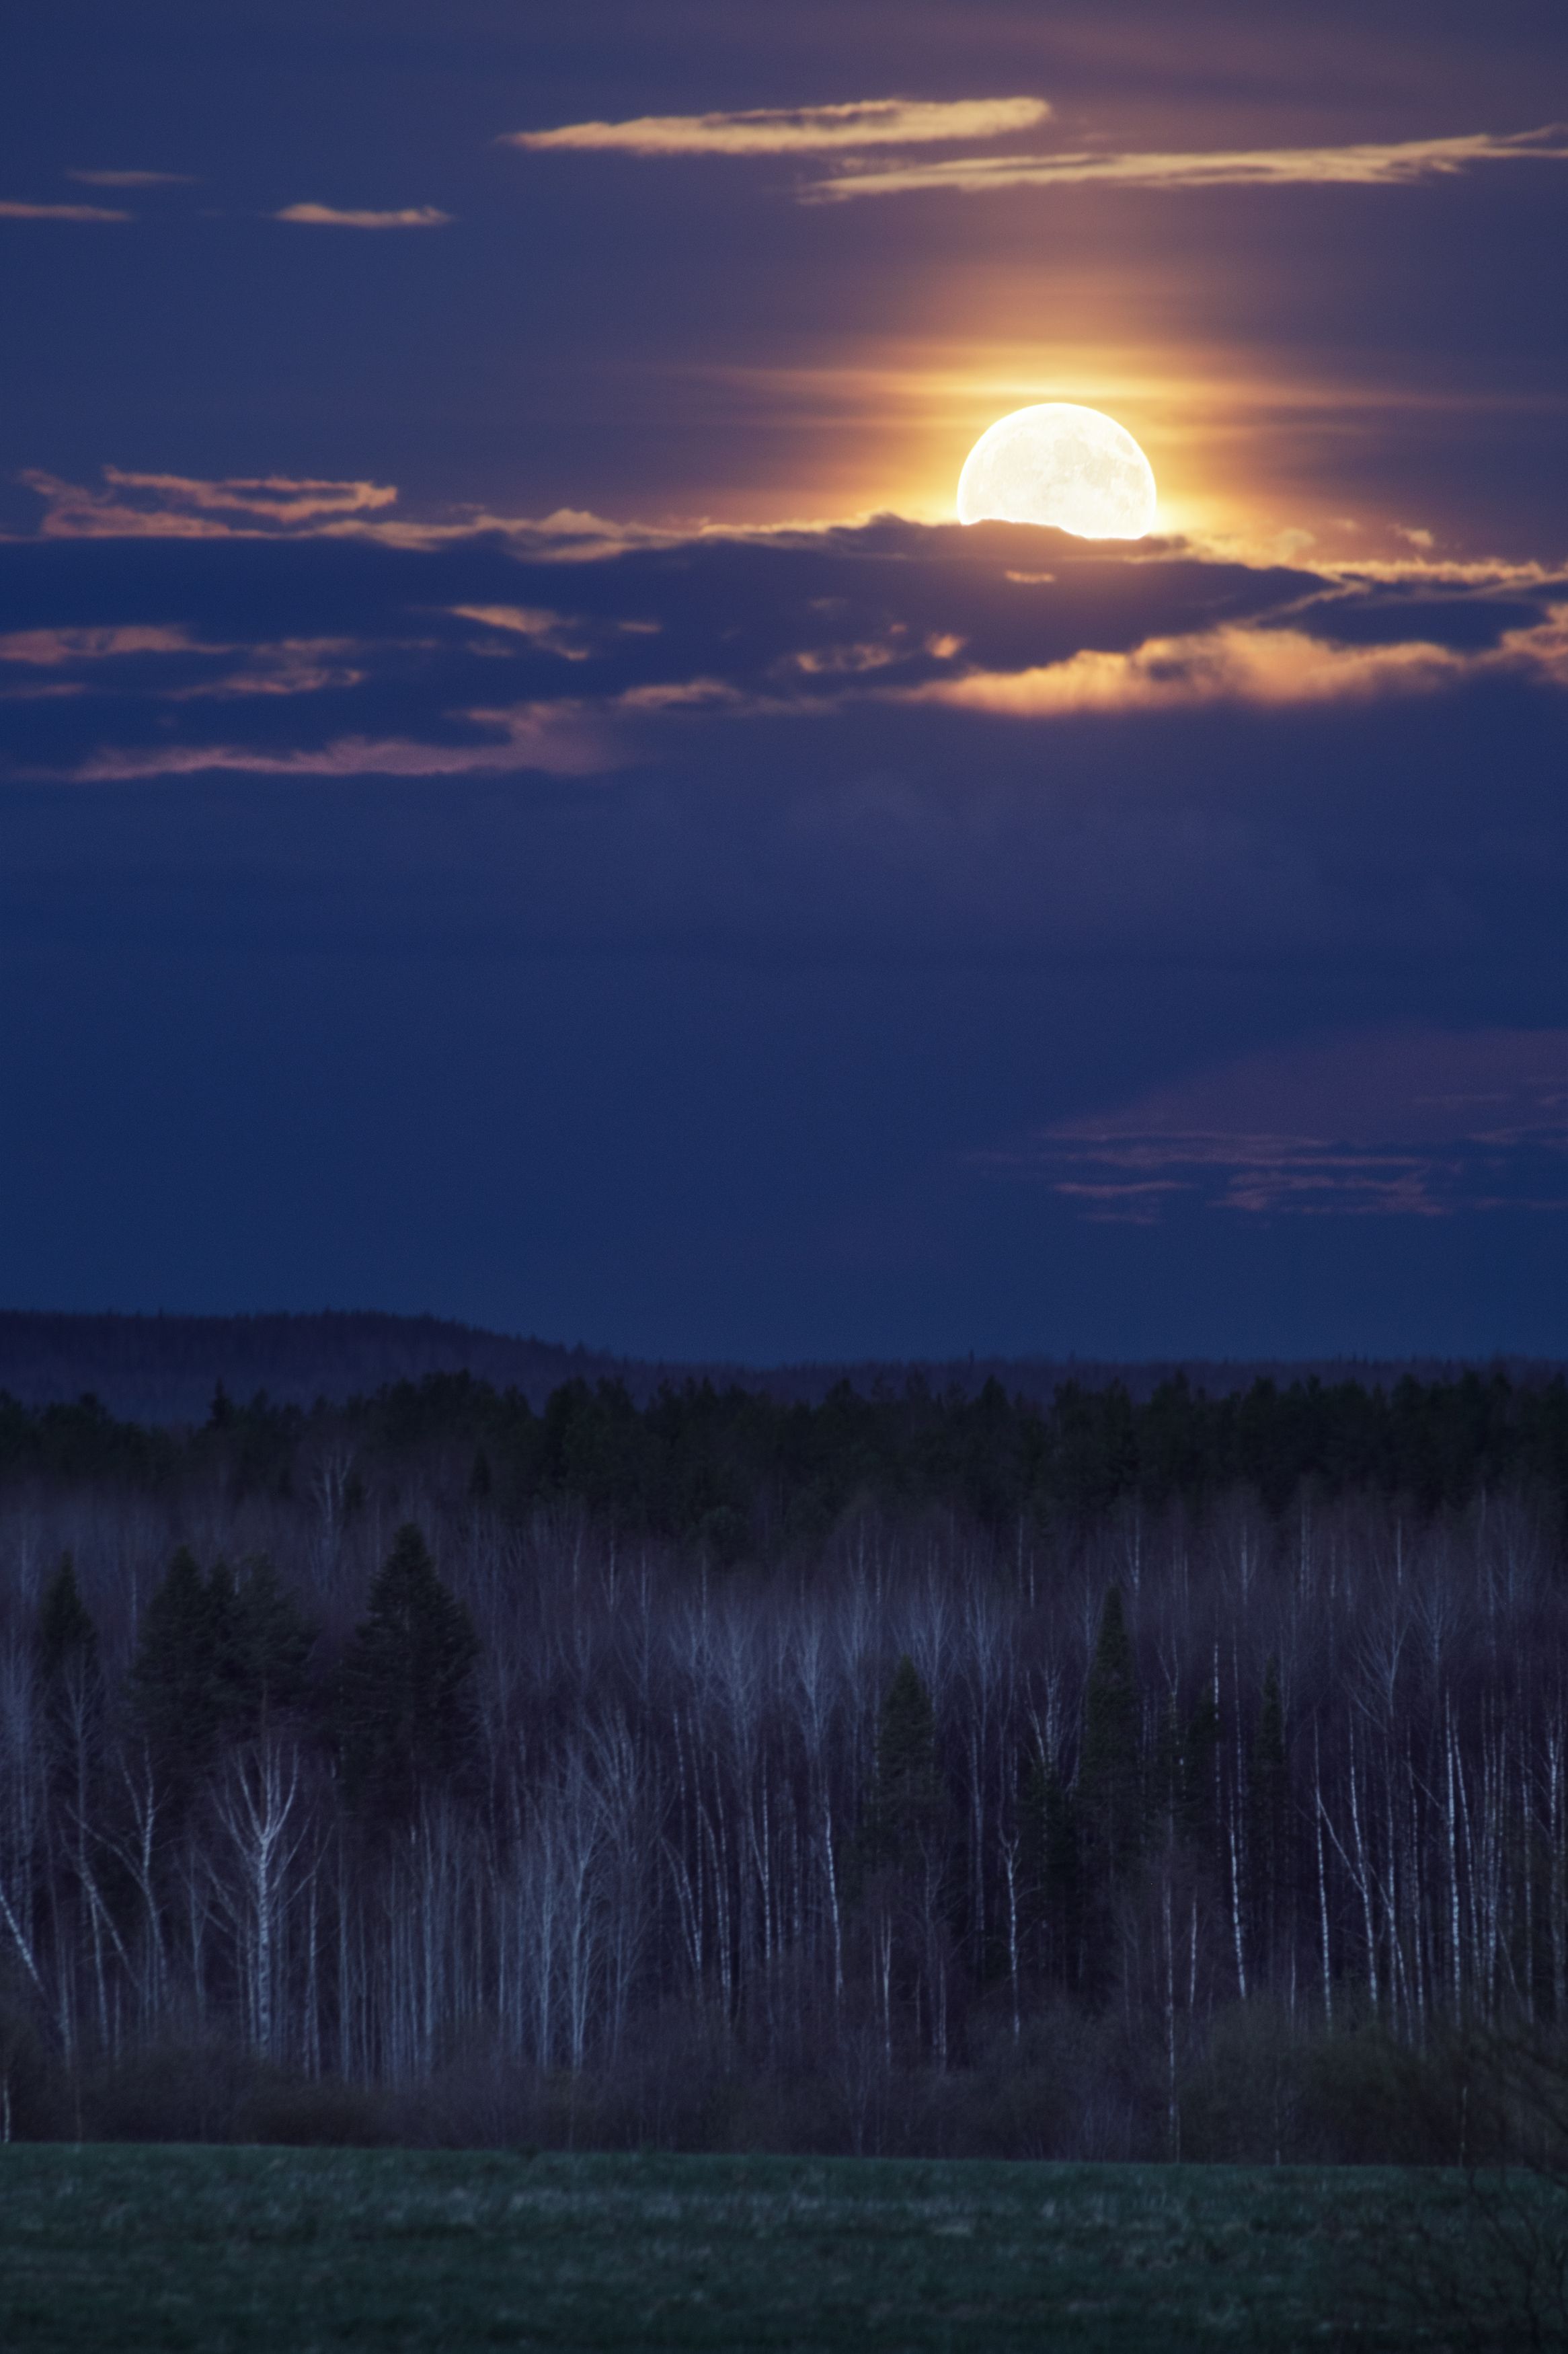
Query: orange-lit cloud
[[11, 210], [1372, 164], [134, 179], [551, 632], [179, 506], [280, 666], [333, 217], [1242, 665], [554, 739], [800, 130], [183, 506], [50, 649]]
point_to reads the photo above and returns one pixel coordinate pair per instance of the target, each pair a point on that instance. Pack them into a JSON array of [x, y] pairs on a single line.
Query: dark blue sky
[[517, 798]]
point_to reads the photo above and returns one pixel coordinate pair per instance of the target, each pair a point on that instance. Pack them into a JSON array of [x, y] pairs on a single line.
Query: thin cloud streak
[[180, 506], [134, 179], [309, 216], [10, 210], [51, 649], [1391, 163], [795, 131], [559, 739], [1401, 1124]]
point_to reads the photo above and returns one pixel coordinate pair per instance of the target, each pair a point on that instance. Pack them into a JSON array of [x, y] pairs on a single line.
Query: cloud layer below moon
[[561, 646]]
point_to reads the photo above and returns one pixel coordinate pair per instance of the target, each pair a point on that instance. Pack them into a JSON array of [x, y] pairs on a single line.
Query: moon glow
[[1057, 463]]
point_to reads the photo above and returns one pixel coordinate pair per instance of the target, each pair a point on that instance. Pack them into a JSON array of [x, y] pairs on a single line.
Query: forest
[[911, 1771]]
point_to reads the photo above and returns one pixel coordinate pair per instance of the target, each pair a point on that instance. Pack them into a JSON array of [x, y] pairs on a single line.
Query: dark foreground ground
[[130, 2248]]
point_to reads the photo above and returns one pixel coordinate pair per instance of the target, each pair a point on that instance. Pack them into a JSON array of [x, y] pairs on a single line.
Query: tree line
[[747, 1472], [1062, 1780]]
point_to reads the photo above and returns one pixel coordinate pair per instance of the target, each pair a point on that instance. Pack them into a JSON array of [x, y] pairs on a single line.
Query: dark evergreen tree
[[69, 1677], [404, 1718], [1053, 1871], [906, 1812], [1199, 1820], [66, 1637], [1167, 1775], [1269, 1796], [175, 1686], [1110, 1774], [218, 1660], [263, 1641]]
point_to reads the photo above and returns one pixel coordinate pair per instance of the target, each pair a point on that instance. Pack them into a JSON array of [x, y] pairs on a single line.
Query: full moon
[[1057, 463]]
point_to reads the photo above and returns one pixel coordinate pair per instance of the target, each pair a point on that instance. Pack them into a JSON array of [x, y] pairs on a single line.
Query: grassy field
[[126, 2248]]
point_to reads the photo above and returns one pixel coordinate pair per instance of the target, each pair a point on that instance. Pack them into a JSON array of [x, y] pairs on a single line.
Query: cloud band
[[1392, 164], [797, 130]]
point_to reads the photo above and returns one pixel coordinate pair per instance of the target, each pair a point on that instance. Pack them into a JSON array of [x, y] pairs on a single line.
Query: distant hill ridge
[[164, 1369]]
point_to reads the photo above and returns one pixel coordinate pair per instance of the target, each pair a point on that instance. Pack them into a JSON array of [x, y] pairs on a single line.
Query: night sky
[[519, 798]]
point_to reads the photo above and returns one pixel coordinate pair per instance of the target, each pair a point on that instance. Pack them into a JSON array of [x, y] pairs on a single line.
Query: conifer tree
[[69, 1676], [175, 1686], [1200, 1756], [404, 1719], [1268, 1790], [66, 1637], [904, 1814], [263, 1642], [1110, 1792], [1053, 1868], [219, 1658]]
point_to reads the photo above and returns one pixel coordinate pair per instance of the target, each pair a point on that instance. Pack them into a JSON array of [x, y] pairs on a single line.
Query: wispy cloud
[[181, 507], [1232, 664], [134, 179], [281, 666], [1239, 664], [53, 649], [559, 739], [11, 210], [178, 506], [1372, 164], [1393, 1124], [335, 217], [551, 632], [799, 130]]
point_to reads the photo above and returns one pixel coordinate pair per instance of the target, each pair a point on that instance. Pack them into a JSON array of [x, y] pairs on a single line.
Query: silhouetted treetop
[[1110, 1779], [907, 1806], [404, 1720], [66, 1637], [217, 1659]]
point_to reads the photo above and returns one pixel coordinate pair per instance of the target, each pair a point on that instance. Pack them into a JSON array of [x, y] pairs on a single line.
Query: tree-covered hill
[[164, 1369]]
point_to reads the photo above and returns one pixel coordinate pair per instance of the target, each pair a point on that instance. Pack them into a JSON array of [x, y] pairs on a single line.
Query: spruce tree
[[904, 1814], [175, 1686], [1200, 1798], [66, 1637], [220, 1659], [1269, 1796], [263, 1642], [404, 1718], [1053, 1869], [69, 1677], [1110, 1779]]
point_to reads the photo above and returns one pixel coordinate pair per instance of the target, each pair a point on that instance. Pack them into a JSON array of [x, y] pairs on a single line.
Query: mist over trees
[[1180, 1777]]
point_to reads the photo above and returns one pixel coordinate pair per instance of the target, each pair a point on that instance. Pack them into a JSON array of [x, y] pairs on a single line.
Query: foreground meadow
[[224, 2248]]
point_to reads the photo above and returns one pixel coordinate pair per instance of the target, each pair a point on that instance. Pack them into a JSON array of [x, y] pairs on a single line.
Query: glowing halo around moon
[[1057, 463]]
